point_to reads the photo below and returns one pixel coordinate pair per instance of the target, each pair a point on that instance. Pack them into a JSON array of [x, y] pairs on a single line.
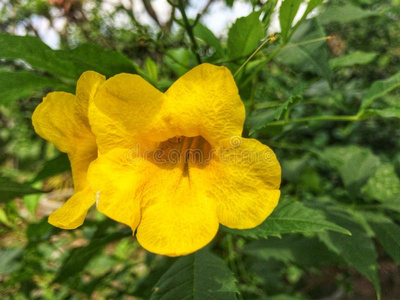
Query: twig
[[189, 30]]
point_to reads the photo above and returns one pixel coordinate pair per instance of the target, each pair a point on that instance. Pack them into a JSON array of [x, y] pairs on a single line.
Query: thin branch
[[149, 9], [189, 30]]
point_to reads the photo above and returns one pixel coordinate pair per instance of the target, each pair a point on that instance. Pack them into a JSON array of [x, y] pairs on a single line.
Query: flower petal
[[244, 180], [115, 181], [175, 215], [127, 110], [122, 111], [62, 119], [206, 102], [180, 220], [72, 214]]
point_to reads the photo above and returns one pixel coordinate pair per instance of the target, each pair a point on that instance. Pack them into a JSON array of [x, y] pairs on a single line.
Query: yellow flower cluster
[[172, 166]]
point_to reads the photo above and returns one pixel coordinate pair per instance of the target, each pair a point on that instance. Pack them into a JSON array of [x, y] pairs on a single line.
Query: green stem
[[189, 30], [316, 118], [251, 56]]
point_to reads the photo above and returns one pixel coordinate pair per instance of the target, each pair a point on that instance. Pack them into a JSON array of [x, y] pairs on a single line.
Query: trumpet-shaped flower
[[173, 165], [62, 119]]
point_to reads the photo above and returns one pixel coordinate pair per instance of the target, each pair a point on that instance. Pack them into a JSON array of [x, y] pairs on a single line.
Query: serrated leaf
[[64, 63], [384, 184], [261, 118], [295, 249], [354, 164], [357, 250], [205, 34], [10, 189], [353, 59], [290, 217], [244, 35], [387, 233], [20, 85], [343, 14], [380, 88], [307, 56], [287, 13], [198, 276]]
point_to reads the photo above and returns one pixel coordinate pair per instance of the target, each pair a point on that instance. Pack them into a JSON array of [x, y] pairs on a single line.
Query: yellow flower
[[173, 165], [62, 119]]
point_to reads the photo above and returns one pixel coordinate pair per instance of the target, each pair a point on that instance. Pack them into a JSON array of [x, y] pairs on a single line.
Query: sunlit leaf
[[205, 34], [287, 13], [244, 35]]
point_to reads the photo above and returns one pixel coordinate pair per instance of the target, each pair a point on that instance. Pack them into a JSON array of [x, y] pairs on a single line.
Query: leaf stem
[[252, 55], [315, 118]]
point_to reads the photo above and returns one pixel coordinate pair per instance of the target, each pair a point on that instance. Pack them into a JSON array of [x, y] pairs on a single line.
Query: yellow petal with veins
[[244, 181], [128, 111]]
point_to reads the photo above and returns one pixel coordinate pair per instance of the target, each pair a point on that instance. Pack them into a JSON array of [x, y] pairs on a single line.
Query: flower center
[[184, 152]]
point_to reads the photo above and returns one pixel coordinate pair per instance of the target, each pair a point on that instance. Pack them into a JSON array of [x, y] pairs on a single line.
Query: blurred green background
[[322, 91]]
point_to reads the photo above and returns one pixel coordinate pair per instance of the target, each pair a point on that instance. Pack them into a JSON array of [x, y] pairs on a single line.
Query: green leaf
[[343, 14], [261, 118], [387, 233], [389, 112], [287, 13], [34, 52], [96, 58], [244, 35], [64, 63], [9, 260], [201, 275], [54, 166], [380, 88], [151, 69], [294, 249], [180, 60], [384, 184], [306, 54], [353, 59], [21, 85], [10, 189], [357, 250], [78, 258], [205, 34], [311, 6], [268, 8], [290, 217], [354, 164]]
